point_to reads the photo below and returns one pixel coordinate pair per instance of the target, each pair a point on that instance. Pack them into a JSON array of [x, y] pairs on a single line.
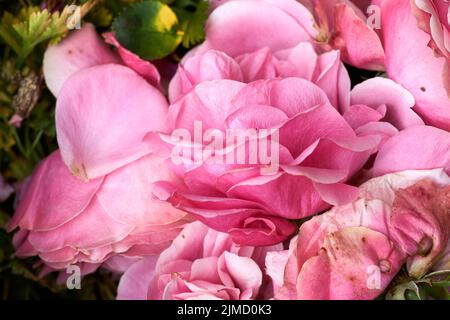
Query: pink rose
[[396, 44], [434, 17], [354, 251], [325, 70], [65, 220], [200, 264], [316, 153], [421, 147], [420, 217], [377, 106], [414, 65]]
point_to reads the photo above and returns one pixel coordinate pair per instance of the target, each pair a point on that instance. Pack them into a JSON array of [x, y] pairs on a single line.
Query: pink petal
[[93, 137], [337, 194], [422, 222], [53, 197], [359, 44], [258, 65], [280, 194], [262, 231], [326, 70], [291, 95], [411, 63], [127, 194], [302, 61], [244, 220], [300, 13], [383, 130], [92, 228], [415, 148], [261, 117], [205, 269], [142, 67], [342, 268], [244, 272], [134, 282], [275, 266], [82, 49], [432, 17], [210, 102], [187, 246], [120, 263], [358, 115], [334, 79], [399, 102], [23, 247], [239, 27], [206, 66]]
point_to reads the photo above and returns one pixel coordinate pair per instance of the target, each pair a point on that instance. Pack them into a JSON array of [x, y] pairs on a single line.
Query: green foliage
[[432, 286], [32, 26], [192, 14], [100, 16], [150, 29], [153, 30]]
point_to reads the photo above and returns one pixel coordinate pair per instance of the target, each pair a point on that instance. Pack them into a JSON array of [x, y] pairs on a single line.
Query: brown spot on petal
[[423, 89], [79, 172]]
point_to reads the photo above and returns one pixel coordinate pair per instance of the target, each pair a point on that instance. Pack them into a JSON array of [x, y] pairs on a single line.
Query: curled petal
[[53, 196], [420, 147], [142, 67], [82, 49], [398, 101]]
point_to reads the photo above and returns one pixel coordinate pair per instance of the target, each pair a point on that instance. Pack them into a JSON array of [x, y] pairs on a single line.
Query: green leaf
[[436, 292], [193, 22], [404, 291], [150, 29]]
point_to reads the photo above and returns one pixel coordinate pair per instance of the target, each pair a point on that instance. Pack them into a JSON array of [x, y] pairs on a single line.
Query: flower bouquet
[[236, 150]]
